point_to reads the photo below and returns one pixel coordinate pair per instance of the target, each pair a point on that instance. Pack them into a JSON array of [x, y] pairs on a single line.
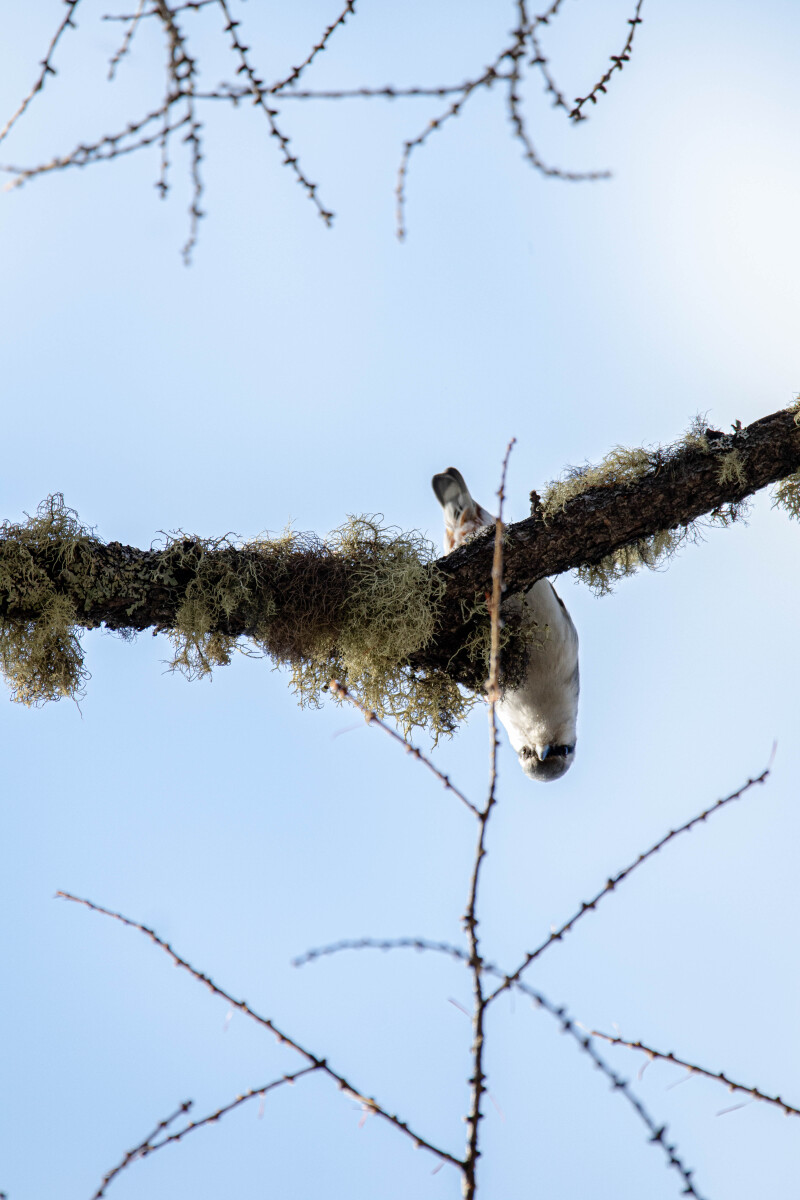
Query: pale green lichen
[[376, 606], [40, 655], [653, 552], [624, 466], [362, 636], [388, 613], [619, 467], [786, 494], [731, 469]]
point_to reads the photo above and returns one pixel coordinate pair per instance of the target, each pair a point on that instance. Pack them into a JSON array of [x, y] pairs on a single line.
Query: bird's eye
[[548, 752]]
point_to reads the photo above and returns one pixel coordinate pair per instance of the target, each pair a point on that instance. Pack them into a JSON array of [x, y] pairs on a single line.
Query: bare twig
[[150, 1144], [46, 65], [140, 1150], [470, 919], [615, 880], [111, 146], [694, 1069], [260, 92], [181, 77], [283, 1038], [296, 72], [340, 691], [187, 6], [516, 55], [617, 63], [130, 33], [658, 1133], [523, 49], [406, 943]]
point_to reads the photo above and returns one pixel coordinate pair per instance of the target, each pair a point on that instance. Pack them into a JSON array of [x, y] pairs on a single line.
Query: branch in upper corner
[[521, 52]]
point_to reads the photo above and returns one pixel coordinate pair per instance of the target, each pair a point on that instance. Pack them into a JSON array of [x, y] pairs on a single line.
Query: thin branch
[[141, 1149], [341, 693], [470, 921], [388, 92], [617, 63], [260, 93], [187, 6], [694, 1069], [135, 20], [296, 72], [283, 1038], [181, 76], [522, 33], [658, 1133], [612, 883], [46, 65], [111, 146], [468, 89], [385, 944], [149, 1145]]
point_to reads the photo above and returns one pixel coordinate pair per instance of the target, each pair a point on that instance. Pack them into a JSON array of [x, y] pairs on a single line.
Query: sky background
[[295, 372]]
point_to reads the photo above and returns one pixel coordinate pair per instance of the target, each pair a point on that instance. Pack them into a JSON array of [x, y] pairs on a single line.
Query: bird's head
[[547, 762]]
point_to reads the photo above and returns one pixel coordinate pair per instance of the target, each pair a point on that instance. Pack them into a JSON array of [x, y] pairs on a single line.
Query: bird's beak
[[542, 752]]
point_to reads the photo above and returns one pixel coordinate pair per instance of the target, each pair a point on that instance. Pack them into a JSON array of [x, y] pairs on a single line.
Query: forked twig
[[283, 1038], [149, 1145], [260, 92], [140, 1150]]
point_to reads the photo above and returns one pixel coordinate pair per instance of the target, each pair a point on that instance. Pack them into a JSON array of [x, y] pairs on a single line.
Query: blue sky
[[300, 373]]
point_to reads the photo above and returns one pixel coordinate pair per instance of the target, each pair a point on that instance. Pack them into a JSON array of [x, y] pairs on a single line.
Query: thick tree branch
[[603, 519], [128, 589]]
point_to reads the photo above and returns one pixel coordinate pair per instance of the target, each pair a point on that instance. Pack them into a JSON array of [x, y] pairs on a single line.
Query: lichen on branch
[[353, 606], [40, 653], [370, 605]]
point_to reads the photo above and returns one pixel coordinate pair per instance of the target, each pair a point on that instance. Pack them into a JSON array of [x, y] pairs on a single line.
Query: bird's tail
[[462, 515]]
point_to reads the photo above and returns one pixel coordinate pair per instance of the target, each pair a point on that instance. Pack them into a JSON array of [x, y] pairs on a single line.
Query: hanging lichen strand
[[40, 654]]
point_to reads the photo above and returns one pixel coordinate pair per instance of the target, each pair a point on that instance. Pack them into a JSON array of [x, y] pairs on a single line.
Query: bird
[[539, 714]]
